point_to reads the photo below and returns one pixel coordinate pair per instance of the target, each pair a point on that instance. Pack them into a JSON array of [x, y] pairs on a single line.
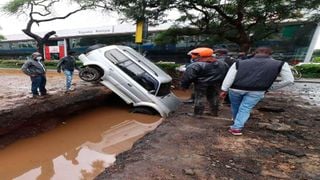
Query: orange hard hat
[[202, 52]]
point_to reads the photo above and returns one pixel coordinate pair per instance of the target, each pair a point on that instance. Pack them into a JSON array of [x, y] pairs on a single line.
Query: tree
[[39, 11], [240, 21]]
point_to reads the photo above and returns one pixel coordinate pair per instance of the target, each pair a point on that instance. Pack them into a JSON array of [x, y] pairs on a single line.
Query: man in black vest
[[248, 80]]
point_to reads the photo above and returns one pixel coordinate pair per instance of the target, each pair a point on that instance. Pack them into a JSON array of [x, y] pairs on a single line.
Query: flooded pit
[[79, 148]]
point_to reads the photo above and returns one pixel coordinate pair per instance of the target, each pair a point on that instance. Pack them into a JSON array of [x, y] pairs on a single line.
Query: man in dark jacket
[[35, 68], [222, 55], [68, 64], [207, 75], [248, 80]]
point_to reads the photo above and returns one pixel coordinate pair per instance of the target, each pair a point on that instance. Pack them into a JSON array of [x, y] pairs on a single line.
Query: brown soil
[[22, 116], [280, 141]]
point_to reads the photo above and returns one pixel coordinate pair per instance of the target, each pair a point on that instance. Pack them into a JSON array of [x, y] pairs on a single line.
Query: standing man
[[35, 68], [222, 55], [248, 81], [207, 75], [68, 64]]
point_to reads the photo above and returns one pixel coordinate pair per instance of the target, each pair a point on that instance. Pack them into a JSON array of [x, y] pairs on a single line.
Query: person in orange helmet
[[207, 75]]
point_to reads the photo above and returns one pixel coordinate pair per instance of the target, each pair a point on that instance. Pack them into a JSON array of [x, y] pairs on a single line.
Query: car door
[[126, 75]]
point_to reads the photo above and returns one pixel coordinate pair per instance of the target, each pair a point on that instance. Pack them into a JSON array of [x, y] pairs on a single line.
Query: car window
[[116, 56], [138, 57], [133, 70]]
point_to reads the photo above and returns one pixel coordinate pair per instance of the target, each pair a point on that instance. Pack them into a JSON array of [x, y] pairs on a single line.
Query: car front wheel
[[89, 74]]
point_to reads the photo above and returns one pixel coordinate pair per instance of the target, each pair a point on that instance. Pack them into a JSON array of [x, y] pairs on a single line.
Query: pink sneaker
[[235, 132]]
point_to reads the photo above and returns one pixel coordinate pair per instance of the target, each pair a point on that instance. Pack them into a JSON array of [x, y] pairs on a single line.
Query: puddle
[[80, 148], [307, 91]]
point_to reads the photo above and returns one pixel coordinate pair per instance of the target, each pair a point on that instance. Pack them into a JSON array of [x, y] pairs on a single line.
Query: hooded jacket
[[33, 68]]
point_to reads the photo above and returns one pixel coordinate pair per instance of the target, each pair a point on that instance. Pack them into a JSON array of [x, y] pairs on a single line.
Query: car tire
[[144, 110], [90, 74]]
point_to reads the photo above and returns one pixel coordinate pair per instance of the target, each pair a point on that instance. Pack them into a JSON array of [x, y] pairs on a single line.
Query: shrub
[[316, 59], [19, 63], [309, 70], [169, 68]]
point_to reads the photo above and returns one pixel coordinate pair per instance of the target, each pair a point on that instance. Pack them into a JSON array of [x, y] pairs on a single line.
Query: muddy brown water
[[79, 148]]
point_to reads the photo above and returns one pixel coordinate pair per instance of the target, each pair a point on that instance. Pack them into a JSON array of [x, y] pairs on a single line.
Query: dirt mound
[[281, 140]]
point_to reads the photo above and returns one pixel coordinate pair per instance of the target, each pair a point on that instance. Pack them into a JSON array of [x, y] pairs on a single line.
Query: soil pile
[[281, 140]]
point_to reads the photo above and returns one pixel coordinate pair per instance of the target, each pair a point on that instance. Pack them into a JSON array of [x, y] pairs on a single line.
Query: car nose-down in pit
[[131, 76]]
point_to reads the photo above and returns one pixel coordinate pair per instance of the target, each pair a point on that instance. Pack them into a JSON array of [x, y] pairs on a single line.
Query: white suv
[[131, 76]]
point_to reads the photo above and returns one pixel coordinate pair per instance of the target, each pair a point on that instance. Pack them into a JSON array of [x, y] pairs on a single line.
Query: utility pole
[[313, 43]]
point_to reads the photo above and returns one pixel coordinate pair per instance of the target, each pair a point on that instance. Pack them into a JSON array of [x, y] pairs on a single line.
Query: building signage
[[101, 30], [54, 49]]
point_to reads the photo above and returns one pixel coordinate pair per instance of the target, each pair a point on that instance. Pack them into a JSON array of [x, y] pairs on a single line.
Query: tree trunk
[[40, 41], [244, 41]]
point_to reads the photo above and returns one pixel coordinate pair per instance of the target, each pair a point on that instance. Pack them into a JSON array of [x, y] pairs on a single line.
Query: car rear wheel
[[90, 74]]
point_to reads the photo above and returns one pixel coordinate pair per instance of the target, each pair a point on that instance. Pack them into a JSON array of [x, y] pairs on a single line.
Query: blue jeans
[[242, 102], [68, 75], [38, 82]]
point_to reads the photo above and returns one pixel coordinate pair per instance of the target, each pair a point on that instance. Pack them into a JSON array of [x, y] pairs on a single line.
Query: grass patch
[[18, 64]]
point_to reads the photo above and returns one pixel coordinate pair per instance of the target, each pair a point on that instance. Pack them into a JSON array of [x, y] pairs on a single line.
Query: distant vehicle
[[131, 76]]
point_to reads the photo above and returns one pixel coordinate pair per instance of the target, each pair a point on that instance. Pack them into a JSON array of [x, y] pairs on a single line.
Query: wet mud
[[280, 141], [63, 136], [79, 147]]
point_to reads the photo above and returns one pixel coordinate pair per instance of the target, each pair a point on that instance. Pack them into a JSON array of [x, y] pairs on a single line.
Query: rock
[[275, 174], [302, 122], [271, 109], [189, 172], [286, 116], [273, 121], [251, 170], [267, 151], [279, 127], [227, 166], [311, 147], [291, 137], [291, 151], [307, 103], [263, 125]]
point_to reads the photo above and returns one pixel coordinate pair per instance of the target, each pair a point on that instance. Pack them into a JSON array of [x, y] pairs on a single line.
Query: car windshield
[[133, 70]]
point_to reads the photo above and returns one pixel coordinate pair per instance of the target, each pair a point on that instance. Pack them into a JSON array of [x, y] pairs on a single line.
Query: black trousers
[[211, 93], [38, 82]]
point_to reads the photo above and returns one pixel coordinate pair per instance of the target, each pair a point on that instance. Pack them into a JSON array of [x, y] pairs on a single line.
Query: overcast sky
[[13, 24], [84, 19]]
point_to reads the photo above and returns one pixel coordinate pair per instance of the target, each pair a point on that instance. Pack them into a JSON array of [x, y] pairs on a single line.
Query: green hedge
[[316, 59], [309, 70], [19, 63], [170, 69]]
